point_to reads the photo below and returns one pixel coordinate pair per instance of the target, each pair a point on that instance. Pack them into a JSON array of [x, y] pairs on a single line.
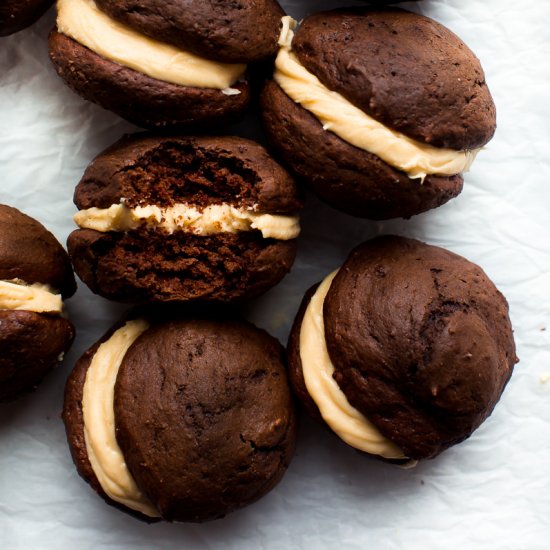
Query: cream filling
[[218, 218], [103, 451], [18, 295], [346, 421], [353, 125], [82, 21]]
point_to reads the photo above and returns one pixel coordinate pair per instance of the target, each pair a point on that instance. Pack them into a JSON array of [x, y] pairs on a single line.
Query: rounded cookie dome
[[201, 417], [405, 70], [419, 341]]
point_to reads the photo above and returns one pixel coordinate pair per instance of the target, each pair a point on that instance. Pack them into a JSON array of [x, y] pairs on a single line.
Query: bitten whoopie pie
[[379, 111], [181, 419], [182, 219], [16, 15], [157, 64], [35, 274], [404, 351]]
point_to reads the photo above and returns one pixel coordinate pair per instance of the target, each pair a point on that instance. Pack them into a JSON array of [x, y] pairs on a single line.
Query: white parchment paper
[[492, 491]]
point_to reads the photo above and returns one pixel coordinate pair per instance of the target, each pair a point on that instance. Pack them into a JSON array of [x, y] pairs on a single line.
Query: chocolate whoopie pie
[[404, 351], [181, 419], [35, 273], [16, 15], [183, 219], [379, 111], [157, 64]]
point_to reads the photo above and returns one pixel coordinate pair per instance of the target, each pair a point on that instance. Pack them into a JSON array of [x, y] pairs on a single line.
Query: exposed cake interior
[[82, 21], [180, 266], [104, 454], [340, 116], [343, 419], [179, 187], [18, 295], [181, 172]]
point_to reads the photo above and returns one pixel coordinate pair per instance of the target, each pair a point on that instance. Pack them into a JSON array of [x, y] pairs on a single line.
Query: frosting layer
[[219, 218], [354, 126], [346, 421], [17, 295], [103, 451], [82, 21]]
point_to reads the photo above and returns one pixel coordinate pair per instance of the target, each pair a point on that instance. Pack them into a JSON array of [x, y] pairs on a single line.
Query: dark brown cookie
[[347, 178], [143, 100], [30, 345], [16, 15], [31, 342], [420, 340], [407, 72], [203, 416], [28, 251], [242, 31], [152, 265]]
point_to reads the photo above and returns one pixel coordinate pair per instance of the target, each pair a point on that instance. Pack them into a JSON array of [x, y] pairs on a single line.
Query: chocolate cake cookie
[[379, 111], [164, 65], [35, 273], [16, 15], [404, 351], [197, 416], [168, 219]]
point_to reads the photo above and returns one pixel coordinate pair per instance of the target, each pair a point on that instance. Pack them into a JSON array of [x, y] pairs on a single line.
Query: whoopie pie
[[183, 219], [164, 64], [404, 351], [379, 111], [35, 276], [184, 419]]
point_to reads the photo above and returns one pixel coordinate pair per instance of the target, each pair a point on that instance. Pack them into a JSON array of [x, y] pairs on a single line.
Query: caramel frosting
[[354, 126], [82, 21], [15, 294], [104, 454], [218, 218], [345, 420]]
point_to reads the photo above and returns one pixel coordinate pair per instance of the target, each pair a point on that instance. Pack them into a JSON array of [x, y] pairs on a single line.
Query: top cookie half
[[240, 31], [403, 69], [379, 111]]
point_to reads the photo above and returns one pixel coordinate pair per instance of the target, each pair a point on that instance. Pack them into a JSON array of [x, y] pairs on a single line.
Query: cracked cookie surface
[[420, 340], [203, 416]]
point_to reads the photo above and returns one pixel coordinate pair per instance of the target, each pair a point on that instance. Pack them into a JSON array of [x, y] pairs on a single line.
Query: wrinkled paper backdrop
[[492, 491]]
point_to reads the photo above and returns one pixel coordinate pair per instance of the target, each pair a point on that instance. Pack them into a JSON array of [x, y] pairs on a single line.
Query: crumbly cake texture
[[152, 265], [223, 31], [406, 71], [16, 15], [145, 101], [420, 340], [203, 413], [31, 343]]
